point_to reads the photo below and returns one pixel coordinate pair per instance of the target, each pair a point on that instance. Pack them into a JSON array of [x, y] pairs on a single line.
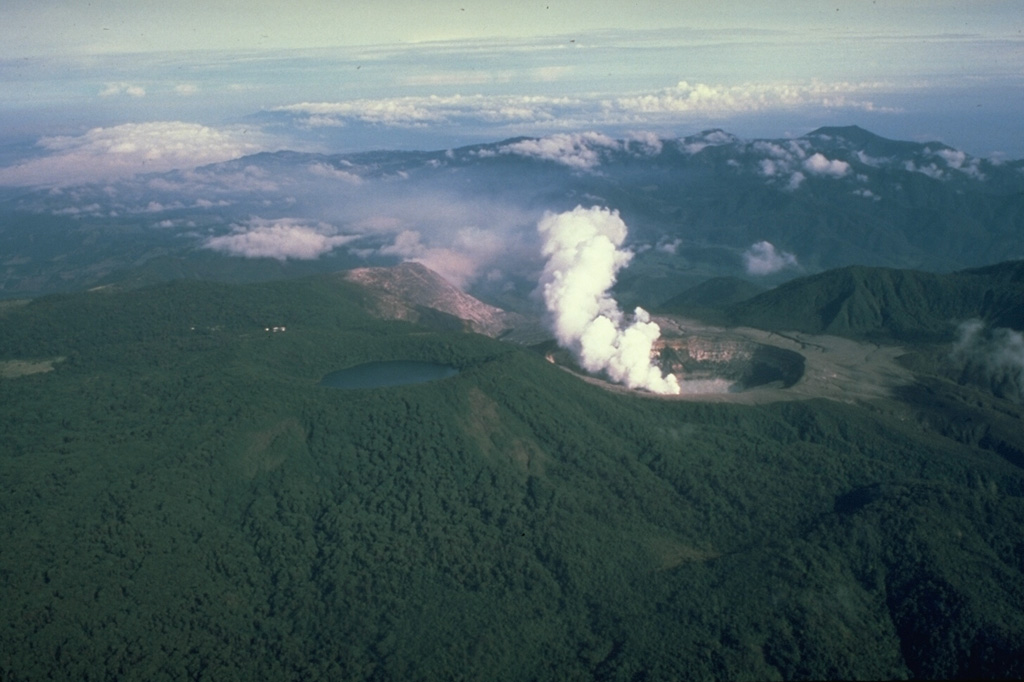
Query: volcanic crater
[[743, 363]]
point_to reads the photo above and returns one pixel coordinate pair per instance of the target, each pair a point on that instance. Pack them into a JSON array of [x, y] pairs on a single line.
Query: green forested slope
[[182, 500], [889, 304]]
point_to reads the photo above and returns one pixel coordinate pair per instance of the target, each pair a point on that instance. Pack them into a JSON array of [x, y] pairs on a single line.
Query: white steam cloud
[[582, 253]]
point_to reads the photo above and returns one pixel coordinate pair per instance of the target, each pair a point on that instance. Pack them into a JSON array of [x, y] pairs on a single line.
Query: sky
[[131, 86]]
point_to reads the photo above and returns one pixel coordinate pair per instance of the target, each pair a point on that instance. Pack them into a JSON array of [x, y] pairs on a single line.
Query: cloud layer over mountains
[[699, 206], [123, 151], [544, 112]]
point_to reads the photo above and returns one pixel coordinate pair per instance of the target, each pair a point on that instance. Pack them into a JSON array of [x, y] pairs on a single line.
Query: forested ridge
[[889, 304], [182, 500]]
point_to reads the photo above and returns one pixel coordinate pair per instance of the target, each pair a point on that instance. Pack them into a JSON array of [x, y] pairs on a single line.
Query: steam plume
[[583, 256]]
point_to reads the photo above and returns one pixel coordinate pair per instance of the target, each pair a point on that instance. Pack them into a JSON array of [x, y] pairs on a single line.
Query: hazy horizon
[[176, 86]]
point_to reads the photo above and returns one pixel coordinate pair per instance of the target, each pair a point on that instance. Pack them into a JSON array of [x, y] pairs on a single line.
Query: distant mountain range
[[702, 206]]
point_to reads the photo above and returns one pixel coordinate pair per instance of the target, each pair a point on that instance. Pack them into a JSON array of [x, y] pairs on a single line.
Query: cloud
[[931, 170], [994, 357], [583, 256], [417, 111], [650, 144], [461, 233], [665, 106], [819, 165], [768, 167], [960, 161], [954, 158], [545, 74], [117, 89], [701, 98], [283, 239], [186, 89], [459, 262], [104, 154], [762, 259], [581, 151], [773, 150], [233, 179], [325, 170], [670, 246], [462, 236]]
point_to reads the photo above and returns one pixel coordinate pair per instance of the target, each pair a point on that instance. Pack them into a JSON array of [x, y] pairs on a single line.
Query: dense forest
[[182, 500]]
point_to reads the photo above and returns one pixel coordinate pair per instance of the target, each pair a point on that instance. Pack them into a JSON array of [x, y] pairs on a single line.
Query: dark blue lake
[[384, 374]]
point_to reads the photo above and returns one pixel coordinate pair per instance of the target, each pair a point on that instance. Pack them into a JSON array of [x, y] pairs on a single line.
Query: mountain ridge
[[886, 303]]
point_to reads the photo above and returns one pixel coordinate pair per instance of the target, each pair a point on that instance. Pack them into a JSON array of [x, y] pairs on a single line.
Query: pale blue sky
[[409, 73], [48, 27]]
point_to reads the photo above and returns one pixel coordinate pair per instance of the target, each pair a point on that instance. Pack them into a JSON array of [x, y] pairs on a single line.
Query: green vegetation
[[183, 501], [886, 304]]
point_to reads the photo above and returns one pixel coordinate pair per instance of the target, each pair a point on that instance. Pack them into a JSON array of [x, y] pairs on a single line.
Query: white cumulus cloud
[[820, 165], [578, 150], [762, 258]]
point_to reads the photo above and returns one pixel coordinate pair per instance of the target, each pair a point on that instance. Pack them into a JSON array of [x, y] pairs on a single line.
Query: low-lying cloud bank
[[117, 152], [554, 113], [583, 256]]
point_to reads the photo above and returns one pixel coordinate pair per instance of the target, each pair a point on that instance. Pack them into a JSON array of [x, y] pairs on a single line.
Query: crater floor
[[833, 367]]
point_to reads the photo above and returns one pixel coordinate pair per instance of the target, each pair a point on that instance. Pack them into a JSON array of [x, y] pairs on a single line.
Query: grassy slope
[[182, 500]]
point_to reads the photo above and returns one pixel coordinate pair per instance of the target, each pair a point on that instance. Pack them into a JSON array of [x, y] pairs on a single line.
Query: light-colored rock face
[[402, 291], [700, 353], [706, 349]]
